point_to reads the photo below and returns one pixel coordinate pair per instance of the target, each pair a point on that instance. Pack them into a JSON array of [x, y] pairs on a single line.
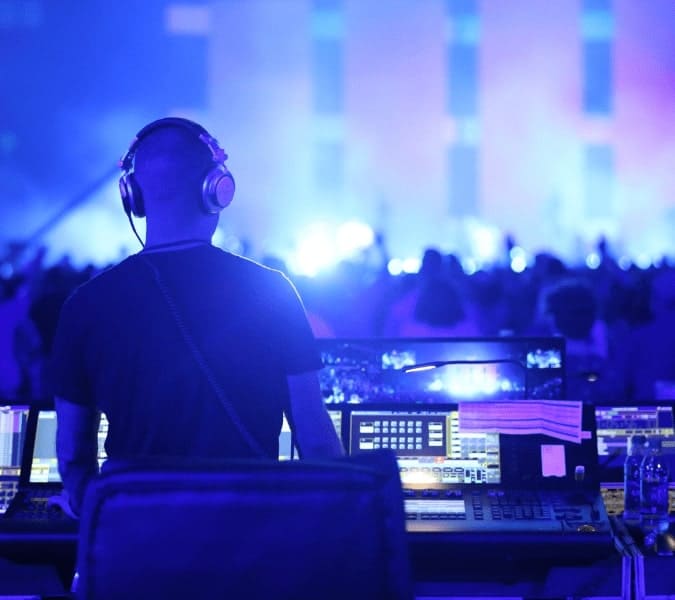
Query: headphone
[[217, 186]]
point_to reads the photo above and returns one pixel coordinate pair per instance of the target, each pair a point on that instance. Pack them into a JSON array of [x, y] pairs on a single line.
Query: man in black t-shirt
[[190, 351]]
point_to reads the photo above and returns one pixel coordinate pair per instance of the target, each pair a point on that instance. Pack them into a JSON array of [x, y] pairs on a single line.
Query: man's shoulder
[[101, 283], [248, 267]]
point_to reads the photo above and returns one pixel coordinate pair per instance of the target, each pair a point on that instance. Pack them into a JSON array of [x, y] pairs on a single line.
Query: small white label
[[553, 460]]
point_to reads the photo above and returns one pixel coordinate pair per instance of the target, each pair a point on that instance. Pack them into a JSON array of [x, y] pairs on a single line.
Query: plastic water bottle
[[654, 489], [635, 452]]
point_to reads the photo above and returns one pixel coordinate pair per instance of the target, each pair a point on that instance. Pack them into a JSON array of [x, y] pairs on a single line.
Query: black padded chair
[[246, 529]]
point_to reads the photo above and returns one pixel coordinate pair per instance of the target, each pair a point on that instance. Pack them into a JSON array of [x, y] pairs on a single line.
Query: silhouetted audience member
[[572, 308], [649, 358], [432, 307]]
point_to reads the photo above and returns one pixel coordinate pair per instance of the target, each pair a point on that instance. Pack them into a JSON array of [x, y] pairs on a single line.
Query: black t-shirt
[[119, 348]]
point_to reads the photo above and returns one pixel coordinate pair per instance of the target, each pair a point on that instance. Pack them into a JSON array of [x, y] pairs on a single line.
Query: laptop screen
[[287, 449], [362, 371], [429, 448], [616, 424], [13, 422], [44, 465]]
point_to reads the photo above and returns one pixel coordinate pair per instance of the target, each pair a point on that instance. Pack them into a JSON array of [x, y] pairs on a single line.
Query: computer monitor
[[13, 424], [44, 464], [430, 450], [365, 371], [434, 453], [616, 424], [287, 448]]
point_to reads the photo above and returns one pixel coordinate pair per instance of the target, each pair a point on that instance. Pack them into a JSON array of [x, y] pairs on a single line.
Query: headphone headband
[[218, 184], [218, 155]]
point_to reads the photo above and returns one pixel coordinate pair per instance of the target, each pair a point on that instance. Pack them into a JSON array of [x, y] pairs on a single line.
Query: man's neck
[[163, 240], [175, 245], [155, 236]]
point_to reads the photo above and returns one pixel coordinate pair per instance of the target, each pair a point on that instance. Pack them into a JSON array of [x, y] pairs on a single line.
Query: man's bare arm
[[312, 426], [76, 448]]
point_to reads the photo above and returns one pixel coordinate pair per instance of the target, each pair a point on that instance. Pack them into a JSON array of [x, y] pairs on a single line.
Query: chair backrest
[[254, 529]]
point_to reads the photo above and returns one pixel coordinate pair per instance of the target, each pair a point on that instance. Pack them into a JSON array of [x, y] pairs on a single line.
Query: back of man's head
[[169, 166], [574, 308]]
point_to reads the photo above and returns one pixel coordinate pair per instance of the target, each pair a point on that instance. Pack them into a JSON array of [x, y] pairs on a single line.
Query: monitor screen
[[376, 370], [44, 466], [287, 448], [13, 421], [616, 424], [429, 448]]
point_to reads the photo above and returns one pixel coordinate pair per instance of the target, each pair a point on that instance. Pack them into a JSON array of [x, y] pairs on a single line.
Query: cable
[[251, 442], [133, 228]]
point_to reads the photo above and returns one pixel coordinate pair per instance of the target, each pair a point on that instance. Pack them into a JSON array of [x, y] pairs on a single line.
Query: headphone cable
[[220, 393], [133, 228]]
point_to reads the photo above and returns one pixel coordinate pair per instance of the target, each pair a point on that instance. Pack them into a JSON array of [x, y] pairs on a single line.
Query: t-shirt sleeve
[[300, 352], [67, 366]]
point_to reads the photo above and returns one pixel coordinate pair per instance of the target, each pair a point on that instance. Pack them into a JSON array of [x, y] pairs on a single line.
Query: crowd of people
[[618, 323]]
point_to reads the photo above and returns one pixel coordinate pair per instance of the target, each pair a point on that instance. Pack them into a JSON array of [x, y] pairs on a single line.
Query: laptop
[[39, 478], [13, 426], [615, 425]]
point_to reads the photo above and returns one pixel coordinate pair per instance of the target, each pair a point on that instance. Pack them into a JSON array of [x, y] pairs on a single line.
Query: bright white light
[[436, 385], [517, 253], [352, 237], [518, 264], [643, 261], [315, 251], [422, 368], [322, 245], [485, 241], [625, 263], [395, 266], [469, 266], [593, 260], [470, 381], [227, 241], [518, 258], [412, 265]]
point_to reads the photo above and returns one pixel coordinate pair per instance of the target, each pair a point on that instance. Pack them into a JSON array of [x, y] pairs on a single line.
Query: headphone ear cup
[[132, 197], [218, 190]]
